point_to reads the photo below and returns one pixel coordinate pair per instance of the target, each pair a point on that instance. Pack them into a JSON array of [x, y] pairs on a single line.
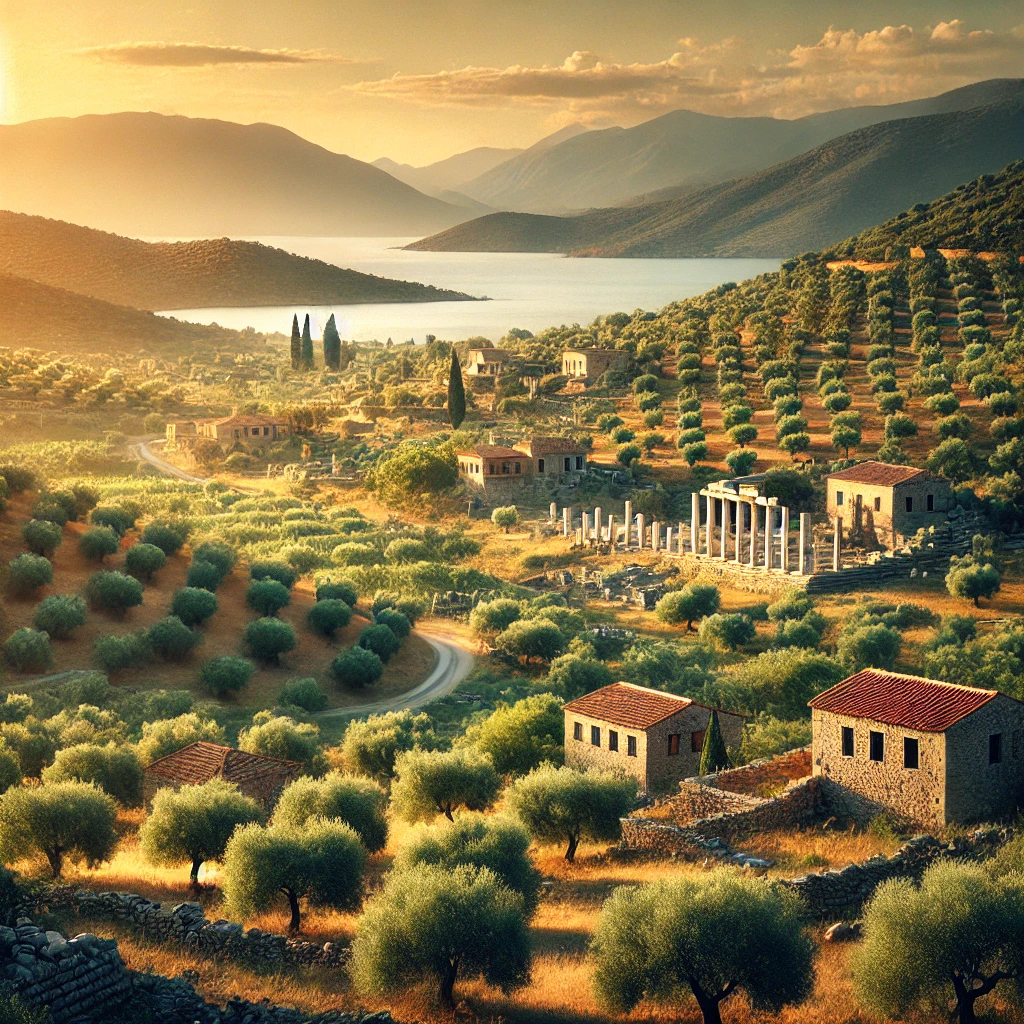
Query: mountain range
[[807, 202]]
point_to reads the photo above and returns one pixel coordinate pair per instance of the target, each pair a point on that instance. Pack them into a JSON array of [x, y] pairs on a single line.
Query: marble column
[[837, 543], [566, 521], [679, 534], [805, 537], [628, 520], [641, 529], [753, 534], [694, 524], [784, 540], [724, 542], [585, 525], [668, 539], [710, 547], [598, 521], [612, 539], [769, 544], [738, 558], [655, 535], [553, 512]]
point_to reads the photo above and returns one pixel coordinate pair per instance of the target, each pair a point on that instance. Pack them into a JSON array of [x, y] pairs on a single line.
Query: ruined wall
[[764, 774]]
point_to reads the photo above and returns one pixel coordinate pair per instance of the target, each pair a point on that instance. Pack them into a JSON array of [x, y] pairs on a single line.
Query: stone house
[[655, 736], [884, 504], [588, 364], [256, 775], [493, 470], [930, 751], [554, 458], [487, 362], [248, 431]]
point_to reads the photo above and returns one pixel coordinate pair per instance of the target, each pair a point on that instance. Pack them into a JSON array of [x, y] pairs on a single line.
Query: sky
[[419, 81]]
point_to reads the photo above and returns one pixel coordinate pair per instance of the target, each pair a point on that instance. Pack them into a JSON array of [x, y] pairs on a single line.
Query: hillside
[[186, 275], [984, 215], [41, 316], [831, 192], [688, 150], [150, 174]]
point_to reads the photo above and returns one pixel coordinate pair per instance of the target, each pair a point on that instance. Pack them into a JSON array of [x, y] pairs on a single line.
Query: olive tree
[[42, 537], [565, 805], [267, 596], [65, 820], [489, 618], [167, 735], [518, 737], [327, 616], [169, 539], [380, 640], [27, 573], [171, 639], [98, 542], [357, 667], [113, 591], [434, 923], [59, 615], [28, 650], [533, 639], [322, 862], [144, 561], [432, 782], [193, 605], [282, 738], [354, 799], [702, 936], [371, 746], [303, 693], [972, 580], [226, 675], [506, 516], [268, 638], [694, 601], [194, 823], [114, 769]]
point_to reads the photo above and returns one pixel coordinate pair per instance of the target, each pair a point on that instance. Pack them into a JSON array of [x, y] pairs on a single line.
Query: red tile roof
[[927, 705], [491, 451], [882, 474], [626, 704], [550, 446], [199, 762]]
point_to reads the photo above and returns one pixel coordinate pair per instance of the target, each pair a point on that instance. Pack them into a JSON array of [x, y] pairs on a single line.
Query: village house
[[929, 751], [487, 362], [256, 776], [492, 469], [249, 431], [882, 504], [554, 457], [656, 737], [587, 364]]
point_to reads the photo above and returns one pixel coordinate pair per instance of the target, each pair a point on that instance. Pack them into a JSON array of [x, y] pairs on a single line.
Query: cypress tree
[[456, 393], [296, 343], [332, 345], [306, 362], [713, 755]]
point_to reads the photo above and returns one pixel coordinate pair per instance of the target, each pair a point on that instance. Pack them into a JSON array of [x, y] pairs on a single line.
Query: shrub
[[395, 621], [269, 638], [117, 518], [28, 650], [380, 640], [869, 646], [98, 542], [327, 616], [167, 538], [531, 639], [114, 769], [113, 591], [357, 801], [42, 537], [170, 734], [226, 675], [492, 617], [357, 667], [27, 573], [303, 693], [694, 601], [433, 782], [270, 570], [339, 591], [18, 479], [193, 605], [171, 639], [284, 739], [143, 561], [693, 453], [204, 576], [505, 516], [727, 631], [217, 553], [60, 615], [793, 604], [116, 653], [622, 435], [267, 597]]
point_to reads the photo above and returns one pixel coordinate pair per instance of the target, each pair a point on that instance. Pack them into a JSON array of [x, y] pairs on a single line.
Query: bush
[[204, 576], [433, 782], [869, 646], [116, 653], [327, 616], [27, 573], [340, 591], [622, 435], [766, 736], [270, 570], [114, 769], [171, 639], [694, 601], [18, 479], [727, 631], [28, 650], [284, 739], [505, 516], [143, 561], [693, 453], [97, 543], [269, 638], [118, 519], [741, 461], [357, 667], [627, 454], [395, 621], [380, 640], [42, 537], [303, 693], [193, 605], [167, 538], [217, 553], [531, 639], [226, 675], [60, 615], [357, 801], [113, 592], [491, 617], [267, 597]]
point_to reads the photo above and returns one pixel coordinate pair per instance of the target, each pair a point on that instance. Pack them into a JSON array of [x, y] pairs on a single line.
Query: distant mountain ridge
[[168, 176], [183, 275], [686, 151], [828, 193]]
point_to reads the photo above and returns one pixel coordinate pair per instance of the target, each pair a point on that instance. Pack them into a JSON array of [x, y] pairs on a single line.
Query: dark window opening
[[595, 735], [540, 465], [878, 504], [673, 744], [519, 467], [847, 741], [839, 497], [910, 504], [613, 740], [931, 502], [577, 730], [631, 746], [876, 746], [911, 752], [995, 748], [697, 741], [579, 461], [568, 465]]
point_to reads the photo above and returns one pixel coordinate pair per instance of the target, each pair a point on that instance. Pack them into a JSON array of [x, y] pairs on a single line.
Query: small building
[[590, 363], [180, 434], [930, 751], [256, 775], [655, 736], [487, 362], [884, 504], [492, 469], [248, 431], [553, 458]]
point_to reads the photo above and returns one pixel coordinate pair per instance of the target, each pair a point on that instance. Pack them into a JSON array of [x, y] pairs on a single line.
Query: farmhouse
[[487, 362], [554, 457], [655, 736], [589, 363], [228, 431], [884, 504], [930, 751], [492, 469], [257, 776]]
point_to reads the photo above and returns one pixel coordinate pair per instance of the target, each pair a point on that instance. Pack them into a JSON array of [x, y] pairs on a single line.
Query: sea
[[531, 291]]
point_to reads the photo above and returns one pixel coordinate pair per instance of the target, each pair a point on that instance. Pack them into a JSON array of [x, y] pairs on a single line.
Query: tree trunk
[[197, 863], [448, 813], [709, 1005], [967, 995], [570, 850], [55, 856], [293, 902], [447, 986]]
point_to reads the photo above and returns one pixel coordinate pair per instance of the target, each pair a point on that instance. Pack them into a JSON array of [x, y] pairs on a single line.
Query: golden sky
[[420, 81]]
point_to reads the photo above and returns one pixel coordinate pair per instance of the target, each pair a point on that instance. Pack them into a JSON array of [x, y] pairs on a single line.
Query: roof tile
[[626, 704], [534, 446], [199, 762], [882, 474]]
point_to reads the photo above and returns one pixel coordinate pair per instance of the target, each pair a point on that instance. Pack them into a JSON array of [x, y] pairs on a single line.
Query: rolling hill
[[688, 150], [184, 275], [831, 192], [180, 177]]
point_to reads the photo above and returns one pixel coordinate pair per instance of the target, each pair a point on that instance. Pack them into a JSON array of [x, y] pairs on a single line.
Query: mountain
[[688, 150], [150, 174], [984, 215], [831, 192], [40, 316], [185, 275]]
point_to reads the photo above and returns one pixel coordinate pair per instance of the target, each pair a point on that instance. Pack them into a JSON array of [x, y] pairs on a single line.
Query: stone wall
[[766, 773]]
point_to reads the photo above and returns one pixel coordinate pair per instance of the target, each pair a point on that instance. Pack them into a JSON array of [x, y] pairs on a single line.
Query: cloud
[[195, 55], [844, 66]]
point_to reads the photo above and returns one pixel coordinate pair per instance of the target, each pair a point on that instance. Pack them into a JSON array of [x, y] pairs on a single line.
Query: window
[[673, 744], [995, 748], [579, 461], [878, 504], [504, 467], [613, 740], [238, 433], [847, 741], [519, 467], [577, 730], [910, 504], [910, 752], [697, 741], [839, 497], [568, 464], [595, 735], [490, 468], [630, 746], [876, 746], [930, 502], [540, 465]]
